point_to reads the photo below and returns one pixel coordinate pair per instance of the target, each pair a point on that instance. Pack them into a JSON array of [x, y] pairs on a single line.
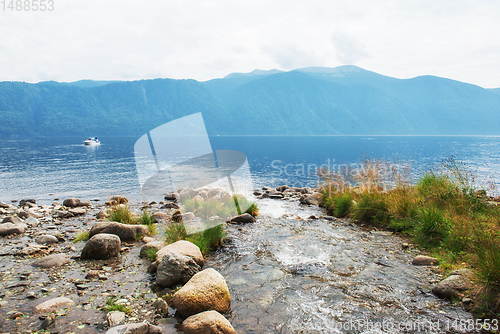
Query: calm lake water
[[50, 168]]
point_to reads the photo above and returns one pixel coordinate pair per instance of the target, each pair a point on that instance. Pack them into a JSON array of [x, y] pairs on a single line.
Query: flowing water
[[291, 274], [286, 273]]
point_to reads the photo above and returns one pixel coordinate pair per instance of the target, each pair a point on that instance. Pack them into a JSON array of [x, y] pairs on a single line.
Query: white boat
[[92, 141]]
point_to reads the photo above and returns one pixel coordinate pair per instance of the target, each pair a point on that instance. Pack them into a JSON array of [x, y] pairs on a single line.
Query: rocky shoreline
[[106, 285]]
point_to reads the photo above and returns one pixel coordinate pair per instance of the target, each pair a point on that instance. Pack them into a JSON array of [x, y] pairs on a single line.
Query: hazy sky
[[127, 40]]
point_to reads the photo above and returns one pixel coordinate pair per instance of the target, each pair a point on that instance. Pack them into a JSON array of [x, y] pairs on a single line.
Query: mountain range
[[345, 100]]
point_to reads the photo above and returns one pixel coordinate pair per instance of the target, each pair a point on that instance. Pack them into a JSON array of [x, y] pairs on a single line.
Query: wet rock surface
[[422, 260], [90, 284], [175, 268], [10, 228], [244, 218], [205, 291], [184, 247], [124, 231], [285, 274], [101, 246], [53, 305], [290, 274], [141, 328], [53, 260], [207, 322], [454, 286]]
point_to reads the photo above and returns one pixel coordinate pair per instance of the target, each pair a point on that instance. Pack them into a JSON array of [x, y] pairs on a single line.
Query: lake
[[50, 168]]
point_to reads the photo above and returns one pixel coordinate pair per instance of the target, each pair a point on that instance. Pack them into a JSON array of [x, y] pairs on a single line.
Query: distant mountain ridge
[[345, 100]]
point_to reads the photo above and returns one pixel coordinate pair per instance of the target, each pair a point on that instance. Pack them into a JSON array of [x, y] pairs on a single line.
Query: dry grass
[[444, 212]]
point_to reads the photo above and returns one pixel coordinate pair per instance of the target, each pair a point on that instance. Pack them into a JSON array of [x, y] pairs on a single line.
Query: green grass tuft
[[112, 306], [121, 213], [206, 240], [82, 236], [151, 254], [443, 212]]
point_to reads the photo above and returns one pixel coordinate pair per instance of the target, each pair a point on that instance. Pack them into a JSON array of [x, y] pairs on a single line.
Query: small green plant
[[253, 210], [152, 229], [82, 236], [145, 218], [444, 212], [371, 207], [488, 259], [112, 306], [121, 213], [206, 240], [151, 254], [343, 205], [432, 227]]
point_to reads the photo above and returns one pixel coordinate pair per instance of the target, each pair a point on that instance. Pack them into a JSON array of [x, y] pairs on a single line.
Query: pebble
[[121, 301]]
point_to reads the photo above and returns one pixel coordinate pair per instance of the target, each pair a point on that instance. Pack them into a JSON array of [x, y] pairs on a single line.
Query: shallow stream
[[290, 274]]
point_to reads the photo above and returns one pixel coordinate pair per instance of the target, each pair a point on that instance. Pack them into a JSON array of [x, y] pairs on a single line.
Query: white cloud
[[129, 40], [348, 50]]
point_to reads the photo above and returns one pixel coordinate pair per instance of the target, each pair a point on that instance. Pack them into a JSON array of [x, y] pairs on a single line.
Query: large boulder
[[27, 202], [422, 260], [312, 199], [160, 216], [205, 291], [9, 228], [115, 318], [54, 260], [126, 232], [208, 322], [116, 200], [23, 214], [12, 219], [172, 196], [77, 211], [71, 202], [282, 188], [101, 215], [101, 246], [53, 305], [170, 205], [175, 268], [244, 218], [63, 214], [141, 328], [47, 239], [32, 222], [453, 286], [185, 248]]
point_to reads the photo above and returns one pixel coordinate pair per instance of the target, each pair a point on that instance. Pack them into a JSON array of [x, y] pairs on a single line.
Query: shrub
[[343, 205], [206, 240], [432, 227], [443, 212], [487, 250], [371, 207], [145, 218], [437, 188], [121, 213]]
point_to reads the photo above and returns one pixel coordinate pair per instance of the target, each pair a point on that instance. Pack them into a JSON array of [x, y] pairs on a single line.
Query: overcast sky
[[128, 40]]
